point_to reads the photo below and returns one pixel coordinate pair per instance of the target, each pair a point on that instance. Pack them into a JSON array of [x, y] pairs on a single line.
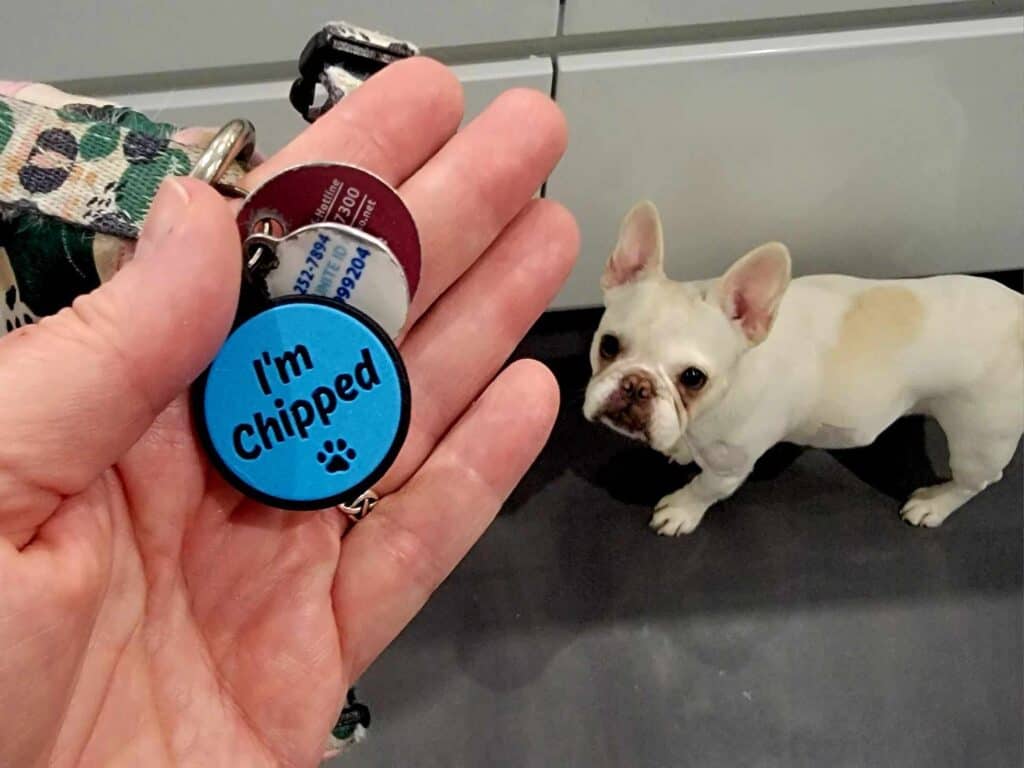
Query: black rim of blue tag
[[349, 495]]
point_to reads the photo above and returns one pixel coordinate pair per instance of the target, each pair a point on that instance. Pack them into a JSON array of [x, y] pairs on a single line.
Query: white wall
[[611, 15], [76, 39], [881, 153]]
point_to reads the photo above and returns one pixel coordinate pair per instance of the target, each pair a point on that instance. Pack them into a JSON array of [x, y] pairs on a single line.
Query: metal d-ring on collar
[[236, 140]]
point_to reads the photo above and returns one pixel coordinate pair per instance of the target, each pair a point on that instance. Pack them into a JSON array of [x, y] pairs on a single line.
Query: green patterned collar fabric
[[94, 167]]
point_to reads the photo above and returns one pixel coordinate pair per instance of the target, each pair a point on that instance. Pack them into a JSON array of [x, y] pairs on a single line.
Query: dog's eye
[[693, 378], [609, 346]]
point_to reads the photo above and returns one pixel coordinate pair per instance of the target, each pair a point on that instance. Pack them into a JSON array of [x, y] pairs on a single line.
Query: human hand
[[150, 614]]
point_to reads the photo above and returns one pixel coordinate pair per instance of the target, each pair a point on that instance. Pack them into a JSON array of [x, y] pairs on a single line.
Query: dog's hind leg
[[982, 430]]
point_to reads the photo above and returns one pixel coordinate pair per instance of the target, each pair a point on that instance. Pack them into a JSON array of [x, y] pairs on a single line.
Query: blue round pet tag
[[306, 405]]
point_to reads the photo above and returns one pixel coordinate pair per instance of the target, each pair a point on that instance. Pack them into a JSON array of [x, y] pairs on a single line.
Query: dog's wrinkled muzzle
[[630, 405]]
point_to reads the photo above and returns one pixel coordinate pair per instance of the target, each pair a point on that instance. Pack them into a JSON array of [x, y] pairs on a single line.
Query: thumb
[[80, 387]]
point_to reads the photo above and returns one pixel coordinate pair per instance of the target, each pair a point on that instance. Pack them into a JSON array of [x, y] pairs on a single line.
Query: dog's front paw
[[677, 515], [929, 507], [681, 455]]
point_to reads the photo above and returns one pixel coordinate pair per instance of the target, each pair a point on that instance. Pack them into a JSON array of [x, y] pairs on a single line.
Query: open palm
[[150, 614]]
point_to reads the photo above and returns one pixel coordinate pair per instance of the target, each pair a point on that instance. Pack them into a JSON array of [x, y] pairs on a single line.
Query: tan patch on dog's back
[[878, 322], [878, 325]]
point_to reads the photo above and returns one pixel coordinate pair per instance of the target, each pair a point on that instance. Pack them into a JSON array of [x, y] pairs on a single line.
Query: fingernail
[[167, 212]]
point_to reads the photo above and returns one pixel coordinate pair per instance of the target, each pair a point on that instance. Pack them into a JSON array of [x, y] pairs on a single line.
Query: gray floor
[[802, 625]]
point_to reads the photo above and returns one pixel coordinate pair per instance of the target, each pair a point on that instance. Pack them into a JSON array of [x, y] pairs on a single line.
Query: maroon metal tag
[[343, 194]]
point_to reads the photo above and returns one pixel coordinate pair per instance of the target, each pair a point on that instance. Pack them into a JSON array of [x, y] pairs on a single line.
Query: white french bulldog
[[719, 371]]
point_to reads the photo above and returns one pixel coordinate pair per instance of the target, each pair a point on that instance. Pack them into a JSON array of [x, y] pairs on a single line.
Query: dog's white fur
[[825, 361]]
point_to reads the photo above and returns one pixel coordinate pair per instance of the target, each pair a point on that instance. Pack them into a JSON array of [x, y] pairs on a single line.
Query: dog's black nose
[[630, 404], [636, 387]]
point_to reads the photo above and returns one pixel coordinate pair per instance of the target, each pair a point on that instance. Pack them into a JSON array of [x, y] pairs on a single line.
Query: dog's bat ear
[[751, 291], [640, 250]]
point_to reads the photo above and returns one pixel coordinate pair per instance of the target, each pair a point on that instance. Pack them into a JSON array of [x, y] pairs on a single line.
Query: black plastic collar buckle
[[359, 52]]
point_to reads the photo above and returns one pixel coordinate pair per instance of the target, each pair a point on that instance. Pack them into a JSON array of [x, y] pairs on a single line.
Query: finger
[[390, 125], [464, 197], [166, 481], [468, 335], [394, 559], [50, 596], [82, 385]]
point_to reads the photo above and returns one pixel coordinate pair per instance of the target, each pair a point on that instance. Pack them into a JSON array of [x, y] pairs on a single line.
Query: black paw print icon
[[336, 456]]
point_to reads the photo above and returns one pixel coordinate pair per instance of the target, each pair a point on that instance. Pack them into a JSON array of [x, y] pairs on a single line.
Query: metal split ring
[[259, 247]]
